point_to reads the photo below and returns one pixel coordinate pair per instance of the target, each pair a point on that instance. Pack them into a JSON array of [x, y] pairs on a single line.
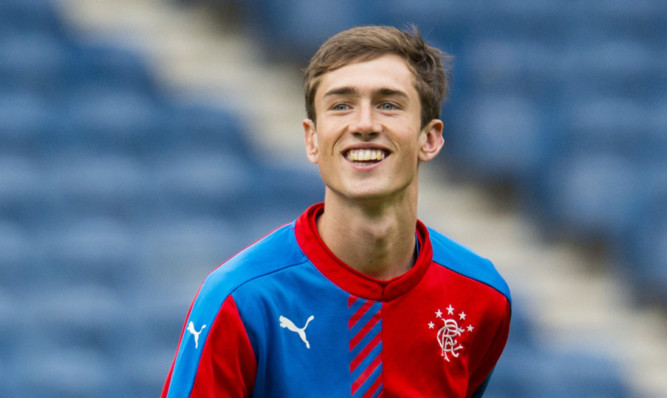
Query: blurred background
[[144, 142]]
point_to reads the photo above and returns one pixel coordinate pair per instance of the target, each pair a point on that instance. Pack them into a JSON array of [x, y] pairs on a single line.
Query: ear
[[431, 140], [310, 139]]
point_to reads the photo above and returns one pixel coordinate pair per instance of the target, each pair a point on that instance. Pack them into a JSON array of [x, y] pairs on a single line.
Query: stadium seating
[[15, 260], [95, 183], [23, 197], [499, 137], [64, 373], [199, 127], [645, 245], [96, 251], [26, 120], [203, 183], [553, 373], [593, 195], [32, 60], [112, 118], [531, 368], [25, 16]]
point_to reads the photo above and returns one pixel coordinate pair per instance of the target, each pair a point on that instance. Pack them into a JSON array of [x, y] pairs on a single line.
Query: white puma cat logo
[[286, 323], [191, 329]]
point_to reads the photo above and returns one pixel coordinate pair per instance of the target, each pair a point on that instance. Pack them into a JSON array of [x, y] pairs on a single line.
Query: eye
[[340, 107], [388, 106]]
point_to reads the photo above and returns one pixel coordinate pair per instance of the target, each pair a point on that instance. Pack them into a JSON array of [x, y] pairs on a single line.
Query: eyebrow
[[388, 92], [347, 91], [341, 91]]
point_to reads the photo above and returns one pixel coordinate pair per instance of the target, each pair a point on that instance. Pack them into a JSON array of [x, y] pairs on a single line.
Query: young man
[[356, 298]]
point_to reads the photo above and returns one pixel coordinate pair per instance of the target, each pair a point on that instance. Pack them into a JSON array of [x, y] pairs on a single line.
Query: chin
[[377, 195]]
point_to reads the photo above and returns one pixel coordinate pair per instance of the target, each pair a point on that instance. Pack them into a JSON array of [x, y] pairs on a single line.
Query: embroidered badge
[[449, 334]]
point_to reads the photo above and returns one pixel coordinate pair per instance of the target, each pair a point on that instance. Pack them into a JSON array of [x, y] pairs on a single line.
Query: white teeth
[[365, 155]]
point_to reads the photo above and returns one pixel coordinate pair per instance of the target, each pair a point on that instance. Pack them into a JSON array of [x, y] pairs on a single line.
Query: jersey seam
[[283, 268]]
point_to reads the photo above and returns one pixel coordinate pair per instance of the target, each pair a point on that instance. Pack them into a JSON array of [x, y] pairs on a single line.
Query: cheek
[[326, 141]]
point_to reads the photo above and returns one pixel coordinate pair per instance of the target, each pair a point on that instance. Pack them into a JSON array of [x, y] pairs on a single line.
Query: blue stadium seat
[[65, 373], [503, 65], [506, 381], [80, 329], [553, 373], [593, 195], [205, 127], [144, 374], [33, 61], [98, 251], [24, 194], [19, 257], [278, 196], [644, 247], [616, 124], [639, 252], [102, 65], [29, 16], [8, 387], [522, 329], [446, 22], [588, 374], [539, 20], [295, 29], [208, 183], [499, 138], [25, 120], [183, 248], [86, 317], [657, 139], [643, 19], [90, 183], [597, 65], [158, 318], [9, 324], [155, 322], [112, 118]]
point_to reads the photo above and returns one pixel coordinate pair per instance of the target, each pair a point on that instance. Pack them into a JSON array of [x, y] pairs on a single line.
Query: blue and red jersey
[[286, 318]]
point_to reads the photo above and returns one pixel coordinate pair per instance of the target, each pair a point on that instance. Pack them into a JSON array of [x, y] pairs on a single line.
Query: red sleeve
[[479, 378], [227, 366]]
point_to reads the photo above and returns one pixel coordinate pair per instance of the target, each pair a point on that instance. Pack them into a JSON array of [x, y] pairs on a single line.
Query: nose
[[365, 123]]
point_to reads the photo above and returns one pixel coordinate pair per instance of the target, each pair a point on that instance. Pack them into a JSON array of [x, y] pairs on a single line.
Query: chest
[[312, 338]]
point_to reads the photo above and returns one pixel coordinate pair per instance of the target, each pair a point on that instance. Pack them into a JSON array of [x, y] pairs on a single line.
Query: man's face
[[367, 139]]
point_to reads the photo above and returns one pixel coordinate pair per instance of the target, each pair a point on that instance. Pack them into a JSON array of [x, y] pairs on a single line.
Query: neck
[[375, 239]]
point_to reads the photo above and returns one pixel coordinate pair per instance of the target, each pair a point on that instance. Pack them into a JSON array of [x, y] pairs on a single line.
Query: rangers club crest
[[450, 331]]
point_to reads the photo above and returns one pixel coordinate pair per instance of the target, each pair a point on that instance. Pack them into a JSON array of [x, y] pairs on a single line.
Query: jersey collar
[[349, 279]]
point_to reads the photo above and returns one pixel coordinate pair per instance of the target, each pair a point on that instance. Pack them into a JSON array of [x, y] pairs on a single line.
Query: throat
[[381, 249]]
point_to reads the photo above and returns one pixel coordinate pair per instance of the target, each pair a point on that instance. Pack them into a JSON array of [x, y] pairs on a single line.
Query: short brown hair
[[430, 66]]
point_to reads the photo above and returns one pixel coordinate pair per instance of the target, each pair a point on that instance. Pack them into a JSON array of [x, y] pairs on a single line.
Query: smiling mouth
[[365, 156]]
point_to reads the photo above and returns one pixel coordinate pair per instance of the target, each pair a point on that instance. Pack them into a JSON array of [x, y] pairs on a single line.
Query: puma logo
[[286, 323], [195, 333]]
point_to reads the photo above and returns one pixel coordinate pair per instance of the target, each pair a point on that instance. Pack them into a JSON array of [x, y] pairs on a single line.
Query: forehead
[[386, 72]]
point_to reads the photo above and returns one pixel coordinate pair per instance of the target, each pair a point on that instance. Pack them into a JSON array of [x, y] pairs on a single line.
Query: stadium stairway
[[579, 313]]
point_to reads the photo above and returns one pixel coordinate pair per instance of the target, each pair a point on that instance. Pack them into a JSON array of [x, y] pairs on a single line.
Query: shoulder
[[460, 259], [268, 256], [263, 259], [272, 253]]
